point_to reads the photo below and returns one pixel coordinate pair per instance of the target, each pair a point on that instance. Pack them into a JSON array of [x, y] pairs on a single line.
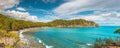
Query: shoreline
[[30, 40], [30, 43], [22, 38]]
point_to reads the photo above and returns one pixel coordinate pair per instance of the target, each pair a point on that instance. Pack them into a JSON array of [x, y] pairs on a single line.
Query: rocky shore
[[17, 39]]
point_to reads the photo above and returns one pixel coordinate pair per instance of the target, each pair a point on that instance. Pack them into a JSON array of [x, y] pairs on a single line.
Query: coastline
[[29, 40]]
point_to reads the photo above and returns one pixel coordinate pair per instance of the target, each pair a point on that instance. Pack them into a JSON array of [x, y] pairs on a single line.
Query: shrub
[[21, 43], [14, 34], [8, 46]]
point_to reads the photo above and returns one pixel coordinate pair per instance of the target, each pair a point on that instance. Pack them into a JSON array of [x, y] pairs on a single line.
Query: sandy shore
[[26, 36]]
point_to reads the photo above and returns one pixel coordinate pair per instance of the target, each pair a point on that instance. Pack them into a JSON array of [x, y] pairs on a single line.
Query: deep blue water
[[74, 37]]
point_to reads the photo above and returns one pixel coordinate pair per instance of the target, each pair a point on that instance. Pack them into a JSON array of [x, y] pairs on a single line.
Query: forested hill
[[73, 23], [12, 24]]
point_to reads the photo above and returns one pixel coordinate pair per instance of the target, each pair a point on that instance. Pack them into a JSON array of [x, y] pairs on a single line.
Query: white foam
[[47, 46], [22, 38], [88, 44], [40, 41]]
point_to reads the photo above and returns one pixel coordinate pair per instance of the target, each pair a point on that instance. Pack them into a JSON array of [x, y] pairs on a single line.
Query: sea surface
[[76, 37]]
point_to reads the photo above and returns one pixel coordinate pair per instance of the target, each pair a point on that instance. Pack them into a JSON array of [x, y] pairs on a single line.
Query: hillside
[[12, 24], [73, 23], [9, 35]]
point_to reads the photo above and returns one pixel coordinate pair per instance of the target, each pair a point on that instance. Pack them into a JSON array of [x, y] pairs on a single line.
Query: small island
[[9, 28]]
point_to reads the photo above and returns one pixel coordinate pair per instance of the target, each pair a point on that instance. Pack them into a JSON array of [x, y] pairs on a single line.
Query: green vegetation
[[11, 24], [9, 27], [21, 43], [8, 46], [14, 34], [72, 23], [3, 33], [117, 31], [107, 43], [8, 39]]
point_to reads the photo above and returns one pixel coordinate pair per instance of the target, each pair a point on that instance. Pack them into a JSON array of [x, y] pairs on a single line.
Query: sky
[[103, 12]]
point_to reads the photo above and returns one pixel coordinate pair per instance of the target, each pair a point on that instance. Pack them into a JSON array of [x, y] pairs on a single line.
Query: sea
[[75, 37]]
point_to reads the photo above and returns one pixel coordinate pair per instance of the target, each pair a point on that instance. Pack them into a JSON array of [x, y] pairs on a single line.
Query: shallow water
[[73, 37]]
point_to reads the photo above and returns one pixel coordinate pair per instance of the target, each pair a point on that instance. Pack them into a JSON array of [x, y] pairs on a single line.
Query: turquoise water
[[74, 37]]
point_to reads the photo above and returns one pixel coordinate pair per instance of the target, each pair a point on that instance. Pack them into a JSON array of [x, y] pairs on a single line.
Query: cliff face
[[73, 23]]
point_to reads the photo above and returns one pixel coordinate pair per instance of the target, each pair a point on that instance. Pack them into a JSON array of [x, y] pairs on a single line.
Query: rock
[[7, 41]]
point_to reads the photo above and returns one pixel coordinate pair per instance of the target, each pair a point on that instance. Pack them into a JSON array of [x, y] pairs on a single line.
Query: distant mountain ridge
[[73, 23]]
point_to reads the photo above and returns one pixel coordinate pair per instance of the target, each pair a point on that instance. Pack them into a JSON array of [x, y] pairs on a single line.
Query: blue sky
[[103, 12], [38, 7]]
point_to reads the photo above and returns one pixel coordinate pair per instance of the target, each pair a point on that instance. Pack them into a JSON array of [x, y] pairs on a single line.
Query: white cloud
[[5, 4], [75, 6], [67, 10], [103, 18], [48, 18], [21, 15], [21, 9]]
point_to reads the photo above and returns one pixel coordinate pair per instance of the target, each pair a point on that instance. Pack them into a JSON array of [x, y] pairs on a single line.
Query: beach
[[26, 36]]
